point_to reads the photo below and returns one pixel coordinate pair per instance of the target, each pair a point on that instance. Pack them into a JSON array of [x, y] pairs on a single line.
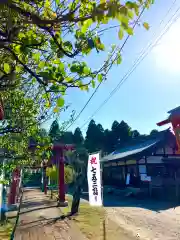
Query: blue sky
[[152, 89]]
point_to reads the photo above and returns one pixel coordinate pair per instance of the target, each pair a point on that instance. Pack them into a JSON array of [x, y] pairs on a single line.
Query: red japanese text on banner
[[94, 180]]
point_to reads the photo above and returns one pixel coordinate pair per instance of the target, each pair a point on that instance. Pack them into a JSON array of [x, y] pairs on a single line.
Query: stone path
[[36, 220]]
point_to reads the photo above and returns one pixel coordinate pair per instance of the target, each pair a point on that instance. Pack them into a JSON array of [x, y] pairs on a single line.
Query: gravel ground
[[144, 220]]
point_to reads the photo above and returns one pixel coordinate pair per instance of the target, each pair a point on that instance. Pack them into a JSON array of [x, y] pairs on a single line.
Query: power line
[[135, 65], [127, 38], [161, 22]]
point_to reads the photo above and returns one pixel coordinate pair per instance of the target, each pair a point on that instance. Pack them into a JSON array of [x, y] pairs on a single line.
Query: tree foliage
[[44, 47], [54, 174], [154, 132], [107, 140], [45, 43], [54, 131], [78, 138]]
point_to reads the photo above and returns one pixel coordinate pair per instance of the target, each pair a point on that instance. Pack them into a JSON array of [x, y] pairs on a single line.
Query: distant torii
[[174, 119]]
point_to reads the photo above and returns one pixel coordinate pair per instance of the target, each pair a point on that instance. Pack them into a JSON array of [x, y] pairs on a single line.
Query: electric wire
[[98, 86], [135, 65]]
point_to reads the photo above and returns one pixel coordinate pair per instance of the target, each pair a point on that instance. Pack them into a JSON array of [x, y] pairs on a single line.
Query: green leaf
[[86, 70], [41, 64], [101, 47], [136, 9], [36, 56], [69, 79], [130, 14], [61, 67], [18, 49], [45, 75], [48, 104], [146, 25], [120, 33], [18, 69], [100, 77], [86, 25], [73, 68], [68, 45], [119, 59], [21, 35], [129, 31], [130, 5], [113, 47], [56, 110], [93, 83], [34, 80], [6, 68], [60, 102], [84, 87], [124, 20], [44, 95]]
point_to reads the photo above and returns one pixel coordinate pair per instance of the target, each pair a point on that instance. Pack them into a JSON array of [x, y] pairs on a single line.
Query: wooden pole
[[45, 180], [42, 179], [1, 193], [102, 195], [12, 195], [61, 176]]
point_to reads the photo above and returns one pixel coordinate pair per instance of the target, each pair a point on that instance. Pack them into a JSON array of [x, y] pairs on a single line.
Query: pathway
[[36, 220]]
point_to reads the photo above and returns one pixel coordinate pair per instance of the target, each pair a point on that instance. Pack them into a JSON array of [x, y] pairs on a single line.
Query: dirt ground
[[147, 220]]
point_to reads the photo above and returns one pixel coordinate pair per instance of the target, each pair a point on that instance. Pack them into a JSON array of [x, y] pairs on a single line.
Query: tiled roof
[[137, 146], [118, 154]]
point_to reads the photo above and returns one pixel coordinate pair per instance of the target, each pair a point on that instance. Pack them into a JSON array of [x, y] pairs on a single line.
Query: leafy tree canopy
[[45, 43], [78, 138], [53, 174], [44, 46]]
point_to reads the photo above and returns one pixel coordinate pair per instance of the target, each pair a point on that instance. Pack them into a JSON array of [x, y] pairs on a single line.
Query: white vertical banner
[[1, 189], [94, 180]]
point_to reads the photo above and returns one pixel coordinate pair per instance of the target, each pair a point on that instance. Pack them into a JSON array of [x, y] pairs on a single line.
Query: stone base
[[12, 207], [62, 204]]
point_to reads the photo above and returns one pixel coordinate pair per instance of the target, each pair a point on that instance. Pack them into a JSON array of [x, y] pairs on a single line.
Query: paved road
[[36, 223], [144, 219]]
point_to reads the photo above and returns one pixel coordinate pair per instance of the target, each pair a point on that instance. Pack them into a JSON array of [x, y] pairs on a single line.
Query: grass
[[94, 224], [5, 231]]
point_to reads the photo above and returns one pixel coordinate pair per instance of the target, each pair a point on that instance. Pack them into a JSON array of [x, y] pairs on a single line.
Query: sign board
[[128, 179], [142, 169], [145, 178], [94, 180]]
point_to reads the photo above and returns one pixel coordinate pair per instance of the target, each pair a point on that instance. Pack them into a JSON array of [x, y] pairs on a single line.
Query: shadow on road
[[111, 200]]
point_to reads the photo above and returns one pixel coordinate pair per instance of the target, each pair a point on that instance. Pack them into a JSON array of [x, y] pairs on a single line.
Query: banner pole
[[94, 182], [102, 196], [101, 169]]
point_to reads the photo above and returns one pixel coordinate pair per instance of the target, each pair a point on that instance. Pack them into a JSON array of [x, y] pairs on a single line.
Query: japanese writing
[[93, 160], [94, 181]]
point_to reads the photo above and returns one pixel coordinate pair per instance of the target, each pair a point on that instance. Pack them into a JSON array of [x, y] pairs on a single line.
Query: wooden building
[[146, 162]]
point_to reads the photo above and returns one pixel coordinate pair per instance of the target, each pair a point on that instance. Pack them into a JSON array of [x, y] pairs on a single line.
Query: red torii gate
[[58, 159], [1, 110], [174, 120]]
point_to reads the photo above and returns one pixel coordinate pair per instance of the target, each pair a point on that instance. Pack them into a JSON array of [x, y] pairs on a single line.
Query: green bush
[[53, 173]]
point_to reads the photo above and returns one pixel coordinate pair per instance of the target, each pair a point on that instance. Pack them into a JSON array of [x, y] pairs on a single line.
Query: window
[[155, 170]]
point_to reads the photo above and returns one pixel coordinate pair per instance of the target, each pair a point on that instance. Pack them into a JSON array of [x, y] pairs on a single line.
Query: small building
[[148, 162]]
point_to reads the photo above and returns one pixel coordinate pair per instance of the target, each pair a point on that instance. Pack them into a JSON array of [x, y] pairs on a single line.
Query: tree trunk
[[77, 195]]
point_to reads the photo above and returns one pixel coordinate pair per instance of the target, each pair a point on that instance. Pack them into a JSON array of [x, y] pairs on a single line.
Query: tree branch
[[38, 21], [10, 130], [71, 55], [26, 67]]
